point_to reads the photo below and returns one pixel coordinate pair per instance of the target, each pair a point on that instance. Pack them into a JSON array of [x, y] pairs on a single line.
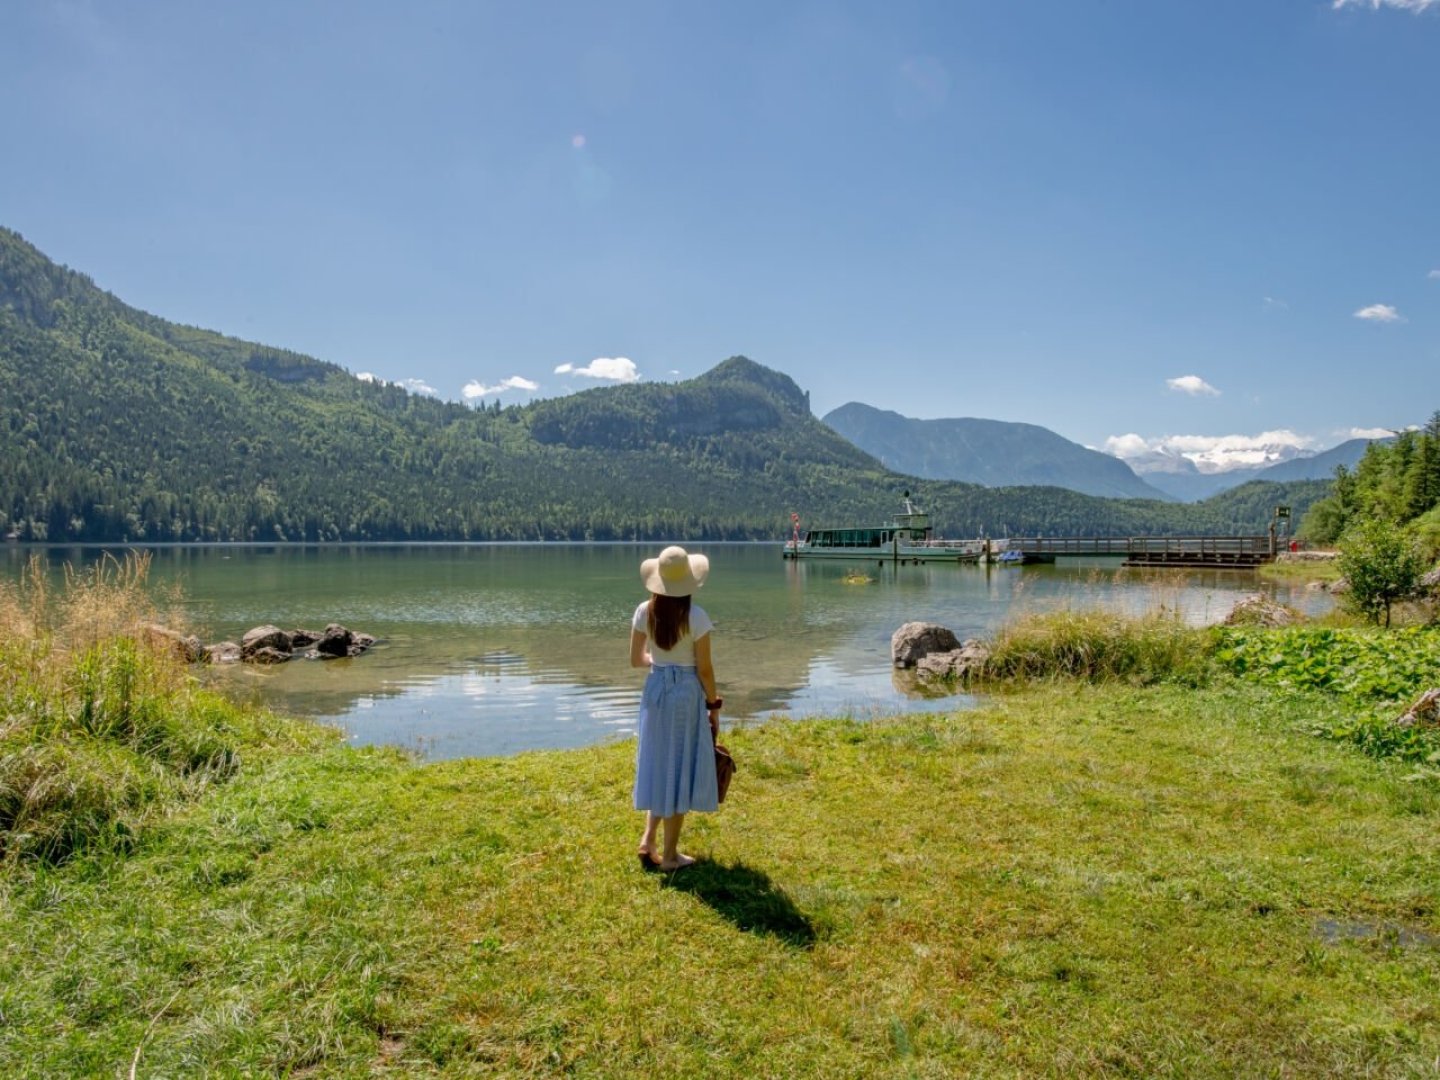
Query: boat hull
[[882, 555]]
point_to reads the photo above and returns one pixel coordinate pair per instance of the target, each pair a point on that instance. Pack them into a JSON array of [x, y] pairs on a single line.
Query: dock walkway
[[1237, 552]]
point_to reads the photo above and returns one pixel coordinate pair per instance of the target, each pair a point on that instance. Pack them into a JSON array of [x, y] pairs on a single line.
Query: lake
[[489, 649]]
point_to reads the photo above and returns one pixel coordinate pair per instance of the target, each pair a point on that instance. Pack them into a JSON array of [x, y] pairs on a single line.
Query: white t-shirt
[[683, 654]]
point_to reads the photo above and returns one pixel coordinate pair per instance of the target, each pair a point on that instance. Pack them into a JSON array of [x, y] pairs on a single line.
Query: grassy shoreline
[[1135, 857], [1300, 570], [1089, 880]]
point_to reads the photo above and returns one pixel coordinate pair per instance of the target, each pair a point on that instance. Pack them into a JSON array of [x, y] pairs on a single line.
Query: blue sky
[[1115, 219]]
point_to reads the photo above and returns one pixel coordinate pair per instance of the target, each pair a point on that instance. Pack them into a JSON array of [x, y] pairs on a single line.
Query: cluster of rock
[[268, 645], [1258, 610], [934, 651]]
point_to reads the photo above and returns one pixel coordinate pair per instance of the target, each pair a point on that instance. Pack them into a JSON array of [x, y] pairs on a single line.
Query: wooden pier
[[1223, 552]]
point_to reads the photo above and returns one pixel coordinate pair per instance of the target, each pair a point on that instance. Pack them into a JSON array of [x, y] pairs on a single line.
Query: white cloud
[[1434, 275], [1127, 446], [1385, 313], [1274, 303], [1416, 6], [1193, 385], [475, 389], [616, 369], [1215, 453], [415, 386], [1368, 433], [418, 386]]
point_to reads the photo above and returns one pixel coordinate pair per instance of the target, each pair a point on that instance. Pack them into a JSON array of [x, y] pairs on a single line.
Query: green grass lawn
[[1070, 881], [1317, 570]]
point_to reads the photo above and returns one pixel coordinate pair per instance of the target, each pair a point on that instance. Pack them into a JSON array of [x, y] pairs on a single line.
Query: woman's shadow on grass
[[748, 898]]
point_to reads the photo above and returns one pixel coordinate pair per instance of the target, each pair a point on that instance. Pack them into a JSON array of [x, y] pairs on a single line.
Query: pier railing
[[1218, 550]]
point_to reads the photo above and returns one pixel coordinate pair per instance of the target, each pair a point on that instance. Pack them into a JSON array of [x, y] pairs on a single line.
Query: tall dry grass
[[101, 723]]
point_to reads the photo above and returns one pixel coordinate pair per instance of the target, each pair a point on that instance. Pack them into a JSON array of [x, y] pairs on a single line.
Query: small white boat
[[905, 539]]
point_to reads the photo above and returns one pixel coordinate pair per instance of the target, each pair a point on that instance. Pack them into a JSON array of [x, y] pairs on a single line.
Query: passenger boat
[[905, 539]]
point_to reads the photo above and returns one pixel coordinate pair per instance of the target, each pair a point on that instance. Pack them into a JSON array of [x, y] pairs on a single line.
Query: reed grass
[[102, 726], [1097, 646]]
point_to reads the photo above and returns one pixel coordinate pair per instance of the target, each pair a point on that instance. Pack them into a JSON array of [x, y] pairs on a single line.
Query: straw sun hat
[[674, 573]]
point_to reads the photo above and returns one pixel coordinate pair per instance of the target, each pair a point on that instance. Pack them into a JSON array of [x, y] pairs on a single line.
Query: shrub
[[1382, 565]]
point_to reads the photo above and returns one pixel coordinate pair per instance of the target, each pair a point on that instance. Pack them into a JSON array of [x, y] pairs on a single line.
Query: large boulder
[[187, 647], [335, 642], [964, 663], [1257, 610], [916, 640], [264, 637], [267, 654]]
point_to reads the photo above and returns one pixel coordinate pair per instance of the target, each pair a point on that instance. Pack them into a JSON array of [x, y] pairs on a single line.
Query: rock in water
[[190, 649], [264, 637], [335, 642], [963, 663], [916, 640], [224, 652]]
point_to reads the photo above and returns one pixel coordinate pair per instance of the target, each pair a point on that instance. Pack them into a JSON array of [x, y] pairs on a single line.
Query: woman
[[679, 711]]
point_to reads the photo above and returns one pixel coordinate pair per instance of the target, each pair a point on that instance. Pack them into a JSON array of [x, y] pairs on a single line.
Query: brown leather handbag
[[724, 769]]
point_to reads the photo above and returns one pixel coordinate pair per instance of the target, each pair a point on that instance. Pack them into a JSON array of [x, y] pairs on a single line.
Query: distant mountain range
[[123, 427], [998, 453], [1179, 477], [994, 453]]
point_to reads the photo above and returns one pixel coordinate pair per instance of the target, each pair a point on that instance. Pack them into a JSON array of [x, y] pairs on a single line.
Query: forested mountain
[[120, 426], [995, 453]]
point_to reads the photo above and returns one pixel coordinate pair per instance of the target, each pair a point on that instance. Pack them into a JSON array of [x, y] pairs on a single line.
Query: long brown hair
[[669, 619]]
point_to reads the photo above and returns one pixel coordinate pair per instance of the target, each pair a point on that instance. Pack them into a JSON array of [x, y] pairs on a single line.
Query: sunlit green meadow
[[1076, 881], [1154, 850]]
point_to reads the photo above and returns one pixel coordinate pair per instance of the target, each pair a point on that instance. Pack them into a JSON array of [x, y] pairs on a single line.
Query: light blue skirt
[[675, 759]]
